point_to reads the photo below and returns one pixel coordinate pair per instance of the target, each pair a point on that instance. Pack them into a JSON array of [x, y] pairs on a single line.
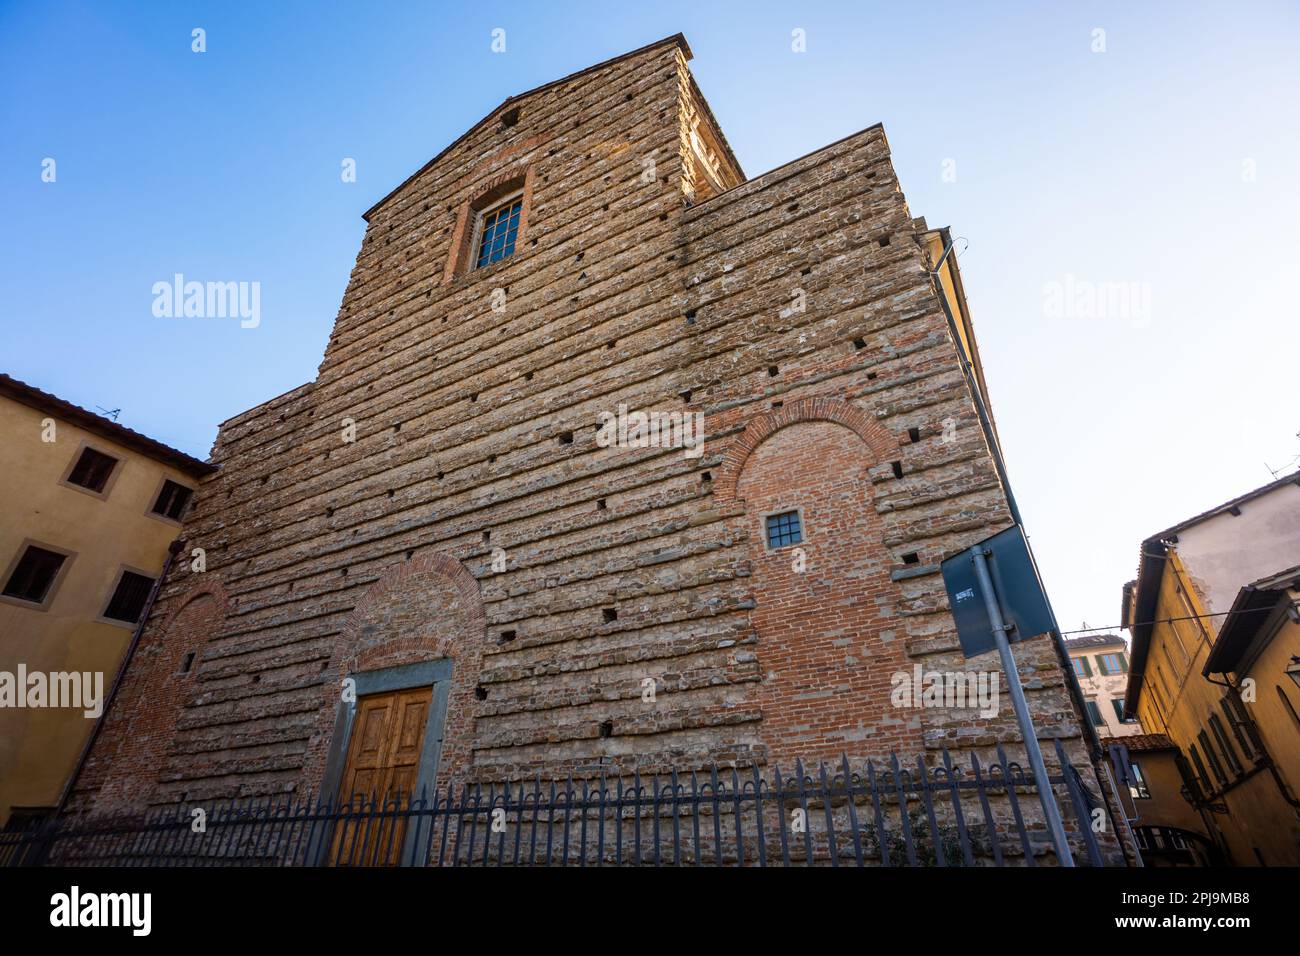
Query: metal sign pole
[[1045, 796]]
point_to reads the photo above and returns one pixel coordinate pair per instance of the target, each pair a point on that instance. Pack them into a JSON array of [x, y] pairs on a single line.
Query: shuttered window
[[92, 469], [127, 602], [172, 500], [33, 575]]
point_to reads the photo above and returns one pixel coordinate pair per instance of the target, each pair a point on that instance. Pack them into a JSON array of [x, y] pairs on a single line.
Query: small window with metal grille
[[784, 529], [498, 227], [127, 602]]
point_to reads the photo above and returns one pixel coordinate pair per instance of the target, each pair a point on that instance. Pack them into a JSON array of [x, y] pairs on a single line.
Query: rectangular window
[[783, 529], [34, 574], [1118, 704], [1080, 666], [128, 598], [1137, 785], [1202, 778], [1111, 664], [92, 470], [1094, 712], [1212, 759], [1225, 745], [172, 500], [1235, 711], [498, 228]]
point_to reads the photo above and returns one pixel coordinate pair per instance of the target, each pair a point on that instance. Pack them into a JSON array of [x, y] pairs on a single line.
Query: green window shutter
[[1123, 662], [1101, 665], [1087, 671]]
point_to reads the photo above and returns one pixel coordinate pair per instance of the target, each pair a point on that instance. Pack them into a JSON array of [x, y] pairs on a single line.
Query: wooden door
[[383, 765]]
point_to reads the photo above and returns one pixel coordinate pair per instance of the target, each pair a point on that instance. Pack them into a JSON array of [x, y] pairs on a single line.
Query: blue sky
[[1166, 165]]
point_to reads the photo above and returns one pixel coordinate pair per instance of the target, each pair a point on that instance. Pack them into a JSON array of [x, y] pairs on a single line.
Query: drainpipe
[[986, 425], [173, 550]]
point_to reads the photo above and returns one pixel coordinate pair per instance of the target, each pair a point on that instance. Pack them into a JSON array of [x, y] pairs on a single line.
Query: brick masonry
[[475, 430]]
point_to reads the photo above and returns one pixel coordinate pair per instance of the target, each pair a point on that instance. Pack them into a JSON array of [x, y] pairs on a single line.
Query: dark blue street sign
[[1019, 590]]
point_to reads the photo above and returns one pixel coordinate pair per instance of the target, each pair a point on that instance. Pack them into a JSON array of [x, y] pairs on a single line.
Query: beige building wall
[[102, 533], [1225, 552], [1102, 688]]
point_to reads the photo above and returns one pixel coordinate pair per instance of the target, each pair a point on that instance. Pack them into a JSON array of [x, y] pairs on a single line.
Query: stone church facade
[[437, 510]]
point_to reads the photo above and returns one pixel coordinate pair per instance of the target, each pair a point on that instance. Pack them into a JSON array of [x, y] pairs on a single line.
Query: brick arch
[[212, 588], [761, 427], [433, 564], [129, 762], [424, 609]]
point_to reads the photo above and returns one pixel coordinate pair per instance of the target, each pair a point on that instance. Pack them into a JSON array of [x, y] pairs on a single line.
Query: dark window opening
[[911, 558], [784, 529], [859, 344], [609, 614], [480, 692], [607, 728], [92, 470], [34, 575], [914, 435], [566, 438], [510, 117], [127, 603], [507, 637], [172, 500], [187, 662], [897, 467]]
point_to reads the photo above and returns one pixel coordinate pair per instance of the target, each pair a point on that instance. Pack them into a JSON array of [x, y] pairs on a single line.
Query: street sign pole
[[1050, 811]]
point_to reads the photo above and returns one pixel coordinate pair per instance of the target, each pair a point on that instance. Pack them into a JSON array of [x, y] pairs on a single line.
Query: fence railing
[[890, 814]]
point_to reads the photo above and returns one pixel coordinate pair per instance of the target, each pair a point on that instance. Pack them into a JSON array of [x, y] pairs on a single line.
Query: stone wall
[[793, 311]]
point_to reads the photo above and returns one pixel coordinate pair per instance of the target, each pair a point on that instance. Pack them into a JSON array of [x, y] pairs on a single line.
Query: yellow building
[[89, 511], [1215, 658]]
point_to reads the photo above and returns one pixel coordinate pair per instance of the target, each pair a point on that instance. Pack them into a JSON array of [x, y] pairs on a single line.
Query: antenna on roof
[[110, 414]]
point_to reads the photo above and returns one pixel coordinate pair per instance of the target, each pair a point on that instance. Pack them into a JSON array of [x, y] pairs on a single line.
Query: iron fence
[[889, 814]]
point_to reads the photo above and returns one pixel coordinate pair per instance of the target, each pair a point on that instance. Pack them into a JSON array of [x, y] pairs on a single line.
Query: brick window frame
[[518, 181]]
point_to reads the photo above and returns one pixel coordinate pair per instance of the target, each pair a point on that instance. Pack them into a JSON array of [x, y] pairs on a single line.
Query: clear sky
[[1159, 159]]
